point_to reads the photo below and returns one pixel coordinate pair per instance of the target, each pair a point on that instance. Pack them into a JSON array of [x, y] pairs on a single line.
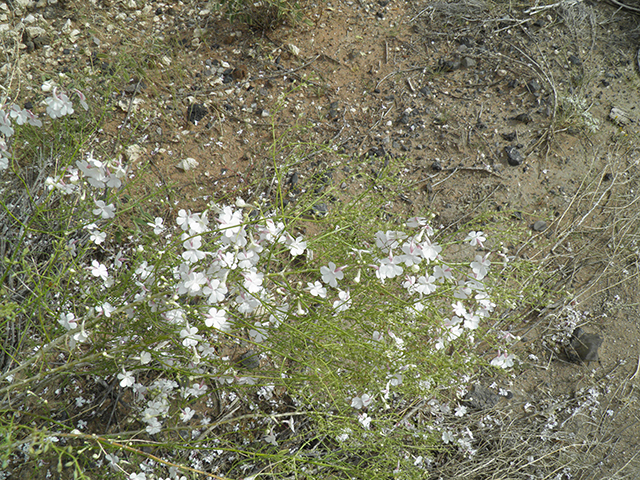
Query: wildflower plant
[[340, 337]]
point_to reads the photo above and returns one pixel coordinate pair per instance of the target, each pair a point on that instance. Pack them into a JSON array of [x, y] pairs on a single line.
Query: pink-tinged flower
[[481, 266], [442, 273], [412, 253], [361, 402], [97, 269], [216, 318], [19, 115], [425, 285], [253, 281], [68, 321], [192, 252], [59, 105], [331, 273], [389, 267], [316, 289], [126, 379], [389, 240], [476, 238], [503, 360], [103, 210], [430, 251], [83, 100], [343, 303], [296, 247], [416, 222], [189, 336], [216, 290], [5, 124]]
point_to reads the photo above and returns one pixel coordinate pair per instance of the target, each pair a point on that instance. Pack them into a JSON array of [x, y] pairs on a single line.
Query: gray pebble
[[584, 346], [540, 226]]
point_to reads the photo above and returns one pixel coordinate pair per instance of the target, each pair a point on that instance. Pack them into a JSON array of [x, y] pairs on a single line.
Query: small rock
[[522, 117], [575, 60], [320, 209], [584, 346], [468, 62], [196, 112], [533, 86], [436, 166], [514, 157], [249, 360], [482, 398], [449, 65], [426, 91], [540, 226], [187, 164], [619, 117]]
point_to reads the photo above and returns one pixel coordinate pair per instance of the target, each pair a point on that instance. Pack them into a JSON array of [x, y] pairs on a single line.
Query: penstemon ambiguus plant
[[357, 332]]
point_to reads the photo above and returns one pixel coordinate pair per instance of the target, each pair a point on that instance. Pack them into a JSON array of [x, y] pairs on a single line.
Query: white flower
[[475, 238], [216, 318], [297, 246], [425, 285], [481, 266], [157, 225], [389, 240], [316, 289], [331, 273], [365, 420], [187, 414], [461, 410], [68, 321], [360, 402], [141, 476], [104, 210], [59, 105], [503, 360], [447, 436], [189, 337], [99, 270], [253, 281], [344, 302], [126, 379], [430, 251], [415, 222], [192, 253]]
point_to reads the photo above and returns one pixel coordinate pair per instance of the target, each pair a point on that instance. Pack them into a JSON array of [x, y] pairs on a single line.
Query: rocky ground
[[484, 106]]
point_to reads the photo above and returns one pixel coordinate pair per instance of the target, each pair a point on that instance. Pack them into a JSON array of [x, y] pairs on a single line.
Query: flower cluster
[[58, 105]]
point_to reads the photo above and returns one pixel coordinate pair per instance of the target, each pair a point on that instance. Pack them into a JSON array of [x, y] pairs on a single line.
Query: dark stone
[[426, 91], [533, 86], [514, 157], [522, 117], [449, 65], [584, 346], [509, 137], [575, 60], [482, 398], [250, 360], [607, 176], [196, 112], [437, 166], [320, 209]]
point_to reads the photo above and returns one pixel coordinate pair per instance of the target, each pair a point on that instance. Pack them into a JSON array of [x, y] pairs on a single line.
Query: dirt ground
[[486, 105]]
